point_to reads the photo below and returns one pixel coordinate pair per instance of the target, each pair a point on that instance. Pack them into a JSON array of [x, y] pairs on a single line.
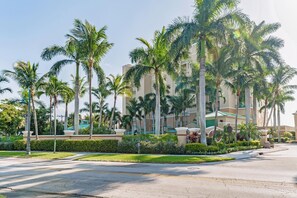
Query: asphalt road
[[270, 175]]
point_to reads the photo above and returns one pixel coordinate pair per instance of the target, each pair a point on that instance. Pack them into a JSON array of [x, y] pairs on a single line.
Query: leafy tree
[[209, 21], [95, 46], [117, 85], [155, 59], [11, 119]]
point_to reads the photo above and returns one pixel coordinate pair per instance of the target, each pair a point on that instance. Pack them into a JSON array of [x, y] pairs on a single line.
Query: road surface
[[270, 175]]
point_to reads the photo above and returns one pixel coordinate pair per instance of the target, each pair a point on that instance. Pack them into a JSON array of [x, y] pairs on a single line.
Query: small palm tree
[[101, 93], [155, 59], [67, 97], [145, 106], [95, 47], [209, 21], [117, 85], [3, 90], [25, 74], [55, 89]]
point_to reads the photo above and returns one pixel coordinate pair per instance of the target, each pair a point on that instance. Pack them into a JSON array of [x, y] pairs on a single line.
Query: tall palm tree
[[25, 74], [117, 85], [3, 90], [132, 108], [258, 49], [155, 59], [95, 47], [74, 54], [219, 68], [101, 93], [209, 21], [56, 88], [67, 97], [280, 78], [145, 104]]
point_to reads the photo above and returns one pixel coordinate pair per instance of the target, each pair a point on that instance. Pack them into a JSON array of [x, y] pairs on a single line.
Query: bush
[[97, 130], [19, 145], [10, 138], [197, 148], [150, 138], [105, 146], [6, 146], [288, 135]]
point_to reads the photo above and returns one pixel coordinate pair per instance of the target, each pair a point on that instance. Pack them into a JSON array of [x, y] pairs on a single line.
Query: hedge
[[198, 148], [105, 146]]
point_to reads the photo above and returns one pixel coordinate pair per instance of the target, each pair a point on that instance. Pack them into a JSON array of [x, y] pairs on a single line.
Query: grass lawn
[[42, 155], [139, 158], [2, 196]]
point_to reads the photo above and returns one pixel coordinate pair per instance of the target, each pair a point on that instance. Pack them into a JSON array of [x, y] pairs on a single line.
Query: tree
[[25, 74], [209, 21], [219, 67], [3, 90], [117, 85], [73, 51], [95, 46], [101, 93], [67, 97], [11, 119], [55, 89], [155, 59], [145, 105]]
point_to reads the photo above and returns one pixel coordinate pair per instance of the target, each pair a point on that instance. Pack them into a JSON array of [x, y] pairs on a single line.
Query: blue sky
[[27, 27]]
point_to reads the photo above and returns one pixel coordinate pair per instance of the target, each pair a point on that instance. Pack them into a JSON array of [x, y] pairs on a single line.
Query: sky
[[27, 27]]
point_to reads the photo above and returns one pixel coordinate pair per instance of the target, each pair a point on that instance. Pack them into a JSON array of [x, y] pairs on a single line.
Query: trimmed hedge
[[198, 148], [104, 146]]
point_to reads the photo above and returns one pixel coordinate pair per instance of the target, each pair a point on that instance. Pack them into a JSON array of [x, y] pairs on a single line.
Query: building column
[[295, 119]]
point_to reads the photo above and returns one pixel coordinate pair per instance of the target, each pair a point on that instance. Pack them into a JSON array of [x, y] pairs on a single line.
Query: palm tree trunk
[[35, 116], [236, 115], [76, 101], [158, 107], [216, 108], [254, 109], [90, 101], [202, 92], [247, 105], [66, 117], [270, 114], [265, 112], [55, 124], [51, 108], [113, 110], [144, 124], [28, 145], [278, 128], [274, 119], [153, 121], [197, 106], [101, 112]]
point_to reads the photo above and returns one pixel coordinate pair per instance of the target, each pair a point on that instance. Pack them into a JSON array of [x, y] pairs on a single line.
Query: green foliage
[[42, 120], [7, 146], [198, 148], [150, 138], [288, 135], [10, 138], [248, 131], [19, 145], [97, 130], [107, 146], [11, 119]]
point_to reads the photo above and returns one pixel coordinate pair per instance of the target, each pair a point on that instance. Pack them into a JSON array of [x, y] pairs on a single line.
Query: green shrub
[[150, 138], [127, 147], [209, 140], [197, 148], [105, 146], [97, 130], [288, 135], [6, 146], [19, 145], [10, 138]]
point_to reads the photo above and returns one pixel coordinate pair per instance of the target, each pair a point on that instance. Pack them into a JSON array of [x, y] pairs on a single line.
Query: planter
[[69, 132], [120, 132], [25, 133]]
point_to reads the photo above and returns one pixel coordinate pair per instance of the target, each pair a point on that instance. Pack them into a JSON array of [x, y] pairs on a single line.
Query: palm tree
[[56, 88], [25, 74], [219, 68], [281, 76], [132, 108], [145, 104], [101, 93], [117, 85], [74, 54], [3, 90], [258, 49], [67, 97], [209, 21], [155, 59], [95, 46]]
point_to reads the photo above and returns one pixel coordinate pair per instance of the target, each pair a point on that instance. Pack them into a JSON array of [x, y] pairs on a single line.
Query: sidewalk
[[254, 153]]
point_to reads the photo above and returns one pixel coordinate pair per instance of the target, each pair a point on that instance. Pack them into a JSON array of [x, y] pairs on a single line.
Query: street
[[269, 175]]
